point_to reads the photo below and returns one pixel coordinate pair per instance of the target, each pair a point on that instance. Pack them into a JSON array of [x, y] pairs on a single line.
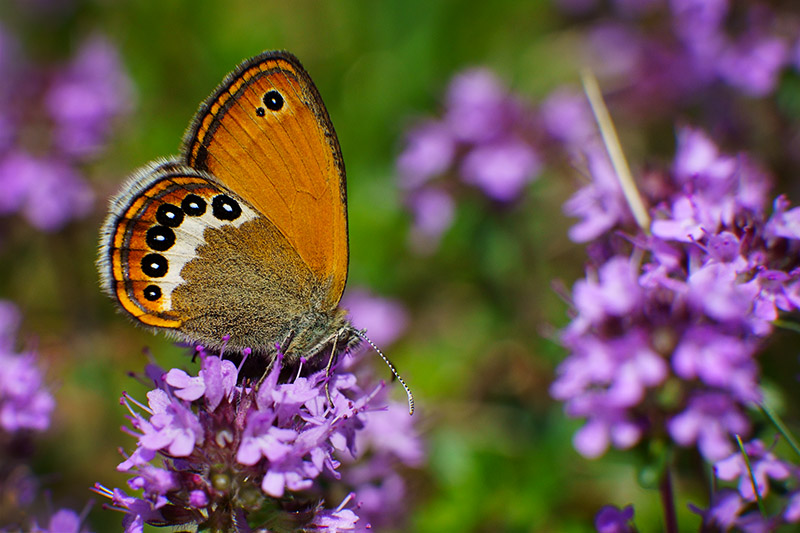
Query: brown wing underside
[[285, 162]]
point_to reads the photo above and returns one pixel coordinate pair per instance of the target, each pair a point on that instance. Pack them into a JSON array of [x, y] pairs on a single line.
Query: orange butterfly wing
[[266, 134]]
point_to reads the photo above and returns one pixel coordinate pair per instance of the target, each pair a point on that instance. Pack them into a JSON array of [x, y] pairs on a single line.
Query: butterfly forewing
[[266, 134]]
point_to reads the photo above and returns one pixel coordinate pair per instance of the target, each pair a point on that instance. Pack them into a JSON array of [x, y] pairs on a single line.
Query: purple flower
[[429, 152], [391, 431], [484, 141], [736, 508], [753, 65], [49, 192], [172, 425], [764, 466], [433, 211], [63, 521], [614, 49], [708, 421], [719, 360], [687, 53], [698, 19], [605, 428], [215, 380], [715, 189], [724, 510], [784, 222], [615, 293], [137, 511], [43, 181], [611, 519], [692, 302], [478, 106], [339, 519], [223, 441], [600, 205], [342, 520], [501, 168], [25, 403], [566, 117], [388, 442], [384, 319], [86, 96], [792, 512]]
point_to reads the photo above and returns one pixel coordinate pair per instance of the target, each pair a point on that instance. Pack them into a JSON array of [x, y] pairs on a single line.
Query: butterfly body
[[244, 236]]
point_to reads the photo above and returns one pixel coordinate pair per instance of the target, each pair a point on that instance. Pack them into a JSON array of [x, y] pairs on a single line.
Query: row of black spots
[[161, 237]]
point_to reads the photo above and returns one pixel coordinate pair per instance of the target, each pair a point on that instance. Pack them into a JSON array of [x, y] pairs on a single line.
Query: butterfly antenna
[[392, 368]]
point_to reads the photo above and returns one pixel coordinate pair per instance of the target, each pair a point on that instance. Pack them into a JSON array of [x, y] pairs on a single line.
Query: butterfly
[[244, 234]]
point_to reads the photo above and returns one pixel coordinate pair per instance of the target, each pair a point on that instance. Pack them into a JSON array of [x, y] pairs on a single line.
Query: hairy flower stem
[[668, 502]]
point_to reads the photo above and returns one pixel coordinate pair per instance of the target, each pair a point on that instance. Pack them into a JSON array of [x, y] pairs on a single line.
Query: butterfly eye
[[273, 100]]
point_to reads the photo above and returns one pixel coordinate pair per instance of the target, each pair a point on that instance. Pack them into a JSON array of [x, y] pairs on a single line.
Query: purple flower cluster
[[695, 45], [736, 507], [48, 131], [482, 140], [25, 402], [683, 307], [658, 57], [235, 454], [26, 406], [388, 440]]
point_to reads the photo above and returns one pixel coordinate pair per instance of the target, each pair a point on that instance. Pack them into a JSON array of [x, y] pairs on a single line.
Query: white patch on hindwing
[[189, 236]]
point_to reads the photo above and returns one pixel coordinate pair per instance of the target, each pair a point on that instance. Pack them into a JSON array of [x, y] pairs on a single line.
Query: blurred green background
[[477, 353]]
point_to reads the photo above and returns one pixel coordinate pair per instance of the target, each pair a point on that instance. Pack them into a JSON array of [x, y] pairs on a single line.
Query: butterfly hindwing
[[162, 216], [266, 134]]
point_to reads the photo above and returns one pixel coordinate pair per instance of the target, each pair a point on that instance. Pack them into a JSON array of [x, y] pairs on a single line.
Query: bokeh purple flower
[[673, 51], [26, 410], [47, 192], [764, 465], [483, 141], [433, 211], [52, 129], [384, 319], [85, 97], [611, 519], [776, 481], [63, 521], [25, 402]]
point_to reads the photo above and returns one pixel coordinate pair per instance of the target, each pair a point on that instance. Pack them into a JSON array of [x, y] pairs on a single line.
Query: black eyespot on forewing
[[273, 100], [160, 238], [169, 215], [155, 265], [193, 205], [224, 207]]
